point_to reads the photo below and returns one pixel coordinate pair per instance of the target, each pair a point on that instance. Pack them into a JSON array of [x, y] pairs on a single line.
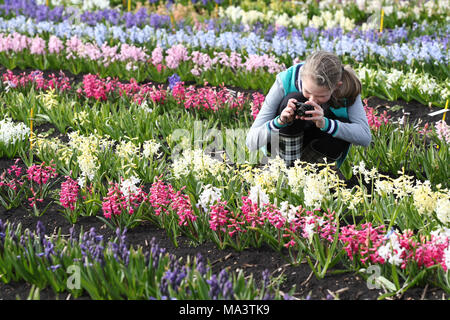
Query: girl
[[336, 121]]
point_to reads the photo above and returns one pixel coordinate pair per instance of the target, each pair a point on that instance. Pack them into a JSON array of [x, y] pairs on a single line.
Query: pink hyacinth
[[73, 45], [37, 79], [96, 88], [133, 53], [55, 45], [207, 98], [111, 204], [164, 199], [175, 55], [89, 51], [252, 213], [181, 205], [116, 203], [233, 61], [202, 60], [158, 95], [363, 242], [37, 46], [109, 54], [68, 195], [160, 197], [14, 42], [179, 92], [443, 131], [218, 216], [255, 62], [157, 56], [14, 169], [375, 120], [256, 104], [431, 252], [40, 174]]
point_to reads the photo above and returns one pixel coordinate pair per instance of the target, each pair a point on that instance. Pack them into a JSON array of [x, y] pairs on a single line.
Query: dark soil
[[347, 285], [411, 112]]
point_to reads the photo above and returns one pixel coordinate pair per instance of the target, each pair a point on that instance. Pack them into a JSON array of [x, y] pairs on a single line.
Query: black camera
[[301, 108]]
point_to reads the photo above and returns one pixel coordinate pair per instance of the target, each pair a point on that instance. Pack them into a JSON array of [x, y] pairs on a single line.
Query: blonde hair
[[326, 70]]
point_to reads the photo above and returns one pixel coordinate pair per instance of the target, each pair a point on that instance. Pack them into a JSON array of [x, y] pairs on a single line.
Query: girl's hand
[[316, 115], [288, 114]]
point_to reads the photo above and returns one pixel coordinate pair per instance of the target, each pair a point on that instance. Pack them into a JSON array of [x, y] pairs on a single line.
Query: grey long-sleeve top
[[357, 131]]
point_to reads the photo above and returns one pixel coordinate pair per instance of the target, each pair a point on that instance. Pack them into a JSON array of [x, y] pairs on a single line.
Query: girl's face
[[313, 92]]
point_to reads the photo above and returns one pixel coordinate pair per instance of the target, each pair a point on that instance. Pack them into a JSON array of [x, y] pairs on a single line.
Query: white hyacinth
[[288, 211], [11, 132], [443, 210], [209, 196], [258, 196], [151, 148], [129, 186], [392, 251], [315, 190]]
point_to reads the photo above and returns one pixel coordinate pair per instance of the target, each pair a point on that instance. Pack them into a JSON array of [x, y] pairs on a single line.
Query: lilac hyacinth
[[173, 80], [155, 253], [282, 32], [72, 239], [173, 278], [2, 233], [120, 249], [220, 286], [201, 267], [49, 249], [92, 247], [40, 231]]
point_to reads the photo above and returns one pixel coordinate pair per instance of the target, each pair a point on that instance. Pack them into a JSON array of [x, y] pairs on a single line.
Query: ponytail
[[351, 86]]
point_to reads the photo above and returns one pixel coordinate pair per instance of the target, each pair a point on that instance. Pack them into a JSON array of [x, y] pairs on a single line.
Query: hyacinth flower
[[124, 205], [12, 189], [40, 179], [32, 184], [172, 210], [68, 198], [443, 131], [375, 120], [37, 79], [13, 138]]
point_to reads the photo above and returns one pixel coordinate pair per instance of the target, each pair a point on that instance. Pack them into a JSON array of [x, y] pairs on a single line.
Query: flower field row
[[358, 45], [141, 126], [114, 270], [247, 12], [95, 103], [231, 69]]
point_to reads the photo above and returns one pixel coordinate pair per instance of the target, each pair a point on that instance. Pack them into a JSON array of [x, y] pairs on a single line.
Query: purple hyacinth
[[282, 32], [173, 80], [40, 231], [2, 234], [266, 278], [155, 253], [220, 286], [120, 249], [172, 278], [201, 267], [92, 247]]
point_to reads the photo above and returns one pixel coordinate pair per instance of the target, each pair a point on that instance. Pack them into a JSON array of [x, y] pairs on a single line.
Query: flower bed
[[103, 147]]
